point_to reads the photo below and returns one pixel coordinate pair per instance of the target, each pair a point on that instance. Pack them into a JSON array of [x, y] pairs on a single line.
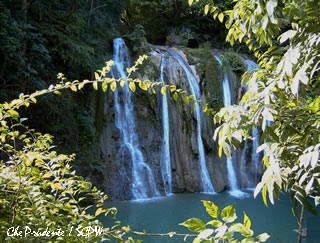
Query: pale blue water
[[163, 215], [195, 90], [143, 183], [227, 101], [256, 158], [165, 148]]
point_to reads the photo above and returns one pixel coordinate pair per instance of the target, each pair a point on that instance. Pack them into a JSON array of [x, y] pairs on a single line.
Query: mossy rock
[[234, 61], [149, 69], [208, 69]]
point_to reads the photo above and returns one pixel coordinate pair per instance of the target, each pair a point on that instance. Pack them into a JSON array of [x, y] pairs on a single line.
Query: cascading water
[[232, 178], [255, 157], [195, 90], [165, 149], [143, 183]]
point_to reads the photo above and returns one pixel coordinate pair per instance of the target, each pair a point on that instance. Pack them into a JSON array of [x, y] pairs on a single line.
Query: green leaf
[[113, 86], [245, 231], [80, 86], [228, 214], [205, 108], [194, 225], [163, 90], [96, 76], [221, 231], [186, 100], [215, 15], [47, 175], [73, 88], [248, 240], [215, 223], [270, 7], [235, 227], [246, 221], [220, 17], [263, 237], [264, 195], [105, 86], [175, 96], [99, 211], [211, 208], [317, 200], [14, 114], [132, 86], [302, 200], [204, 235], [95, 85], [220, 149], [227, 149], [56, 186], [287, 35], [206, 9], [143, 86]]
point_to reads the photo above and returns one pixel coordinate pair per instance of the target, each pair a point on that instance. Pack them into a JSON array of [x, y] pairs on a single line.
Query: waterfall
[[195, 90], [143, 183], [232, 178], [165, 149], [243, 163], [255, 157]]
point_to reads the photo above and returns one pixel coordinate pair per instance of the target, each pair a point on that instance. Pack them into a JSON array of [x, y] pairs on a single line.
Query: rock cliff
[[116, 176]]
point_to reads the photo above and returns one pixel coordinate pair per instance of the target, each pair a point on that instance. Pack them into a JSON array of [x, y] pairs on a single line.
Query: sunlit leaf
[[132, 86], [194, 225], [220, 17], [246, 221], [95, 85], [206, 9], [228, 214], [163, 90], [113, 85], [211, 209], [263, 237], [175, 96]]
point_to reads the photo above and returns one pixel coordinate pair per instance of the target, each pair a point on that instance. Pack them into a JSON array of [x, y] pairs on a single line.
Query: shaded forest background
[[39, 39]]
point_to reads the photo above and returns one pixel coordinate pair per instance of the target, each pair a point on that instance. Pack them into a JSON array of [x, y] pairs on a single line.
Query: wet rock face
[[117, 176]]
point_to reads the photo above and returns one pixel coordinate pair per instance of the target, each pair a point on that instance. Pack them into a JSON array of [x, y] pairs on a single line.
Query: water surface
[[163, 215]]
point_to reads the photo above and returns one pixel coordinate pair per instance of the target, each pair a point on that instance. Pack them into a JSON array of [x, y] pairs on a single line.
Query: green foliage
[[164, 18], [209, 72], [137, 38], [37, 38], [39, 190], [179, 37], [234, 61], [219, 230], [285, 102]]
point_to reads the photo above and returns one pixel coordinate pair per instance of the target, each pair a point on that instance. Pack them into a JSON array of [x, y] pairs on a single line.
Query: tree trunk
[[301, 225]]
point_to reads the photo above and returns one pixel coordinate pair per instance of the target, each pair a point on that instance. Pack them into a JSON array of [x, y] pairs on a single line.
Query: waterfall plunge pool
[[163, 215]]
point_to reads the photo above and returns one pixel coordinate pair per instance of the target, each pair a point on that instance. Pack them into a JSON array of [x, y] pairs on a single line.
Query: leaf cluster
[[223, 228], [283, 95]]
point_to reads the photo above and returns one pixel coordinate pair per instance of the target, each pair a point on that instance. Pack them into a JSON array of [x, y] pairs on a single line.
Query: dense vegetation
[[285, 102], [40, 39]]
